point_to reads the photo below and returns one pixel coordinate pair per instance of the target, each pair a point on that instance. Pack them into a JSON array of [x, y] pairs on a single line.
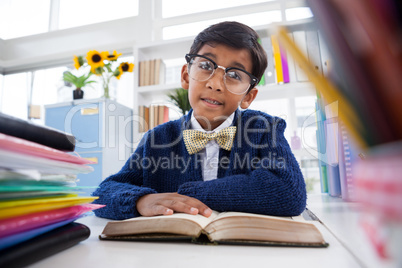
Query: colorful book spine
[[269, 75], [331, 132], [349, 154], [320, 135], [277, 58], [262, 80], [285, 65]]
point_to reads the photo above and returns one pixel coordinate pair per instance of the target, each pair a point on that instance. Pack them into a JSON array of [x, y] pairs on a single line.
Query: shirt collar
[[196, 125]]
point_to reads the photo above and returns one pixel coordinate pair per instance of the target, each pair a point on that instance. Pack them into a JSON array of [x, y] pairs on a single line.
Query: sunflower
[[95, 59], [78, 62], [113, 56], [124, 67], [97, 70]]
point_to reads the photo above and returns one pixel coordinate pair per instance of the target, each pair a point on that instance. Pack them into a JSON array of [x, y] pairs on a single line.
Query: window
[[23, 17], [172, 8], [191, 29], [47, 84], [276, 107], [75, 13], [14, 97], [298, 13]]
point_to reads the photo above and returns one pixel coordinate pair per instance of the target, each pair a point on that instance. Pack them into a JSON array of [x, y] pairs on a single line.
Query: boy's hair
[[235, 35]]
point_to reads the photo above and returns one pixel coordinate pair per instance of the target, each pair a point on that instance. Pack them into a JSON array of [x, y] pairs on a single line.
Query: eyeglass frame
[[254, 80]]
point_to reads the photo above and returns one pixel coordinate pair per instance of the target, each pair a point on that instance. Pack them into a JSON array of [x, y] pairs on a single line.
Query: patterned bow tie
[[196, 140]]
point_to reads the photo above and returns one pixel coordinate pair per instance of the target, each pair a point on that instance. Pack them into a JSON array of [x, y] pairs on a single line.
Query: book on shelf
[[313, 50], [332, 141], [159, 71], [152, 116], [299, 38], [219, 228], [151, 80], [44, 245], [151, 72], [277, 59], [348, 155], [269, 75], [44, 135], [141, 73], [285, 64], [321, 143]]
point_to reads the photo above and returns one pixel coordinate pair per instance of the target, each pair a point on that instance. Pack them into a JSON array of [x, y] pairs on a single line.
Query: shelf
[[167, 49], [287, 90], [293, 89], [157, 88]]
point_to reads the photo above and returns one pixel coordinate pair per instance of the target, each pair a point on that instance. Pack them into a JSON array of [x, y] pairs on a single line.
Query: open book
[[219, 228]]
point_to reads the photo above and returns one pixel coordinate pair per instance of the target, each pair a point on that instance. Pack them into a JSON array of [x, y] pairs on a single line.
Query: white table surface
[[343, 219], [96, 253]]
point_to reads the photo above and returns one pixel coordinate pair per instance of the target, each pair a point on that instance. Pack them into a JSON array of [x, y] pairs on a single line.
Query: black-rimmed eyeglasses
[[202, 68]]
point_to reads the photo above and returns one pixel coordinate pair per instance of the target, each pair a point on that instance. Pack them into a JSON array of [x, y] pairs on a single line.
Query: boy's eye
[[235, 75], [206, 65]]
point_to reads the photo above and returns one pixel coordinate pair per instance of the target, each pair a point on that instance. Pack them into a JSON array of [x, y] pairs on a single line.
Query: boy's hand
[[168, 203]]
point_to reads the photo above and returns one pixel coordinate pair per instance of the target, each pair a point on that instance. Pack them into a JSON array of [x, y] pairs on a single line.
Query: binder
[[277, 59], [43, 246], [299, 38], [269, 74], [313, 50]]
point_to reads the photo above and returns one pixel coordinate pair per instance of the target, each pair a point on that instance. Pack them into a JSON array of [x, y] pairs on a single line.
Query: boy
[[246, 164]]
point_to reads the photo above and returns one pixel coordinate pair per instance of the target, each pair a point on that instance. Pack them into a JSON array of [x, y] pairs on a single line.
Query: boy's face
[[212, 103]]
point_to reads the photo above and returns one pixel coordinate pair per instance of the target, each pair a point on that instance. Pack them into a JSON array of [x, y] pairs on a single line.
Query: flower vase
[[78, 94], [106, 94]]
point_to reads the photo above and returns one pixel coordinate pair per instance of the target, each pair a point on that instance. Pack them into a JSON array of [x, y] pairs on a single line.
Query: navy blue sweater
[[259, 175]]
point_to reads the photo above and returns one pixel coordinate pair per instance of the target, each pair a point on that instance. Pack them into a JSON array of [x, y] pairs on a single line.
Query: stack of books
[[152, 116], [151, 72], [39, 199]]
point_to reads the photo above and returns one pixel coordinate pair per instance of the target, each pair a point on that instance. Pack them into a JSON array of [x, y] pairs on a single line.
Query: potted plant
[[79, 82], [180, 98]]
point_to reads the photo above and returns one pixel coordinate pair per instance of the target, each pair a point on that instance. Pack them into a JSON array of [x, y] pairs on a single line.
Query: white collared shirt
[[210, 154]]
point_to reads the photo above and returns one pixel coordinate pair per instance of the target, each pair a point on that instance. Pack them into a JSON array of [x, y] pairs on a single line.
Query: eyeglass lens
[[236, 81]]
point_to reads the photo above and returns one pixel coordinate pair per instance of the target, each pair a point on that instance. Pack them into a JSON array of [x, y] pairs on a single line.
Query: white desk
[[343, 220], [335, 214]]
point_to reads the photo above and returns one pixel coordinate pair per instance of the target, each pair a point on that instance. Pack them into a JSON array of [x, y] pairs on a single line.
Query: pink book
[[285, 67], [18, 145], [31, 221]]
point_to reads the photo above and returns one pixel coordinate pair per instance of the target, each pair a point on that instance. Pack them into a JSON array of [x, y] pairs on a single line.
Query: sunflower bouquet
[[104, 65]]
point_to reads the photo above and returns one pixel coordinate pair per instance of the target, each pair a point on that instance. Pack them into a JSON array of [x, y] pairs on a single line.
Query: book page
[[199, 219], [238, 226], [243, 214]]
